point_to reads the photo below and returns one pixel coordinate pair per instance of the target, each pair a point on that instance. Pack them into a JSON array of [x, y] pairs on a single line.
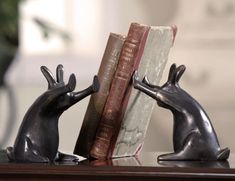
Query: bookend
[[194, 137], [38, 136], [198, 164]]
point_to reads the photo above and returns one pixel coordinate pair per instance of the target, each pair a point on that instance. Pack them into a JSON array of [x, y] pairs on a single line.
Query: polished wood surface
[[143, 167]]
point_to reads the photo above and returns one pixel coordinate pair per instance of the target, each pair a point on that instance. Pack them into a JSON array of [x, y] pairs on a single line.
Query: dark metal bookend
[[194, 137], [198, 164], [38, 136]]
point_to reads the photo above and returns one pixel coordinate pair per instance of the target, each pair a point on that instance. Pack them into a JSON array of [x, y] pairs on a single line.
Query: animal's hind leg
[[10, 153], [223, 154], [190, 151], [31, 154], [33, 157], [62, 157]]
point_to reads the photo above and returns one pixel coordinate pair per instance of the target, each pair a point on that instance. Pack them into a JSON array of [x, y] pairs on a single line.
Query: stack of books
[[117, 117]]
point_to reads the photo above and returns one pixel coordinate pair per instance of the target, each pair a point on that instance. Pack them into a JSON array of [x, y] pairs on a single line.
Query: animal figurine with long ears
[[38, 136], [194, 137]]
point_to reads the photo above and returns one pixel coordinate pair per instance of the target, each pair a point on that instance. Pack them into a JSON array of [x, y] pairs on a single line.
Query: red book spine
[[127, 95]]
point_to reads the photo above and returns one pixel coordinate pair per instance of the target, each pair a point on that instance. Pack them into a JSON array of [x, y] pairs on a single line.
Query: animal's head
[[58, 92], [170, 95], [60, 96], [172, 84]]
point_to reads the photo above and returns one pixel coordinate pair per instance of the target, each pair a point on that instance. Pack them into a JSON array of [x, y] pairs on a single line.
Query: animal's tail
[[10, 153], [223, 154]]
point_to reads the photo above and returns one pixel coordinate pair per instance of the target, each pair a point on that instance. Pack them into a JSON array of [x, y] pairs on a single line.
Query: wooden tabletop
[[144, 167]]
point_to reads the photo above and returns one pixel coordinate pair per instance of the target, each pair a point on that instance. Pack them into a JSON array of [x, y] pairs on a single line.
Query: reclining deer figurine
[[194, 137], [38, 136]]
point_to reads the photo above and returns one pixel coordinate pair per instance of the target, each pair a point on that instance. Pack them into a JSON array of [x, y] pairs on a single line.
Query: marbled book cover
[[140, 106]]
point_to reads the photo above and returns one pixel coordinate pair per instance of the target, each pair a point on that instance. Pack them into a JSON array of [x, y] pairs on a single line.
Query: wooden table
[[145, 167]]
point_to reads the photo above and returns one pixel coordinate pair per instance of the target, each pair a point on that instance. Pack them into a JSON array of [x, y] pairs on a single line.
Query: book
[[128, 62], [125, 161], [97, 101], [137, 115]]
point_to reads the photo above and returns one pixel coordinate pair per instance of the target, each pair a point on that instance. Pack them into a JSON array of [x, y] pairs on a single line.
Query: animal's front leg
[[147, 82], [86, 92], [143, 87], [72, 98]]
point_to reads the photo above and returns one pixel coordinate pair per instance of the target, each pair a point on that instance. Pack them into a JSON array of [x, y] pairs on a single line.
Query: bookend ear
[[171, 74], [60, 74], [49, 76], [179, 72]]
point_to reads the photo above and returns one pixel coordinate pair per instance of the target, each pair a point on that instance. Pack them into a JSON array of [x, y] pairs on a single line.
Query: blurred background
[[74, 33]]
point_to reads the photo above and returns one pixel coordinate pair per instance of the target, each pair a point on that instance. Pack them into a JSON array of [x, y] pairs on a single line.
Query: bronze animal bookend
[[38, 136], [194, 137]]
